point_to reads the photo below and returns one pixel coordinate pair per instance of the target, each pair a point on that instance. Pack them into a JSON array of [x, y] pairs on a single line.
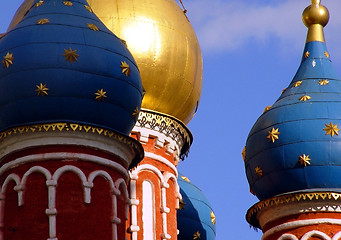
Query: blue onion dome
[[61, 64], [195, 216], [295, 144]]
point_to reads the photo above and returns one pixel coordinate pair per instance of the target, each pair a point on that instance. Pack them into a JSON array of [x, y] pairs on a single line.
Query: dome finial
[[315, 17]]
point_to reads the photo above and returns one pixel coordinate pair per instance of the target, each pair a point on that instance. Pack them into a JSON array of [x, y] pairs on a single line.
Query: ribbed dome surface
[[196, 219], [295, 146], [61, 64]]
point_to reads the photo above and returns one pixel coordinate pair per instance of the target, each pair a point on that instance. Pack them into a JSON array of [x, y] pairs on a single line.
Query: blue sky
[[251, 51]]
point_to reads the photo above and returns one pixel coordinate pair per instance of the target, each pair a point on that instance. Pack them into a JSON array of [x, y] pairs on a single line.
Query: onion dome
[[164, 46], [295, 144], [61, 64], [195, 216]]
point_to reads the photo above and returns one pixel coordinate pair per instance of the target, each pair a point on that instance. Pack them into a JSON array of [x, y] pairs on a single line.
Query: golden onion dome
[[164, 45]]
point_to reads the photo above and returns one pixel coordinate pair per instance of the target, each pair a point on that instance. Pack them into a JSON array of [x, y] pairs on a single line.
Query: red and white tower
[[71, 93], [292, 157]]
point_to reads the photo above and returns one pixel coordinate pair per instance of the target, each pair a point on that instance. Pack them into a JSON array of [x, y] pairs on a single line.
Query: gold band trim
[[75, 127], [167, 125], [251, 215]]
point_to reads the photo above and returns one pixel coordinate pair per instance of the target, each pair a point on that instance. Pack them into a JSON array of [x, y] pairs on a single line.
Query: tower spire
[[315, 17]]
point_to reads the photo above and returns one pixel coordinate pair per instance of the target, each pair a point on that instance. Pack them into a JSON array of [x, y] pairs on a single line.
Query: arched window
[[148, 212]]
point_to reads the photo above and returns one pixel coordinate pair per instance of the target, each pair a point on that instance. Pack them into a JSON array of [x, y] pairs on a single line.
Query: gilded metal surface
[[213, 218], [41, 90], [244, 153], [297, 84], [125, 68], [167, 125], [100, 95], [323, 82], [43, 21], [251, 215], [268, 107], [304, 160], [304, 98], [92, 27], [258, 171], [331, 129], [7, 60], [273, 135], [73, 127], [164, 46], [196, 235], [70, 55], [315, 17]]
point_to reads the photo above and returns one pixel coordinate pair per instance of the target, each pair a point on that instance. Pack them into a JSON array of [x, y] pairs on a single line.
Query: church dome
[[195, 216], [295, 144], [61, 64], [165, 47]]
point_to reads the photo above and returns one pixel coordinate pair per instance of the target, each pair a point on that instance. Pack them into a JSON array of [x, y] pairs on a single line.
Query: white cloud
[[228, 25]]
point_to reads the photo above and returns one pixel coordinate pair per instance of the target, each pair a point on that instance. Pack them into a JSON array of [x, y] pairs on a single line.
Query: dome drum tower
[[292, 152]]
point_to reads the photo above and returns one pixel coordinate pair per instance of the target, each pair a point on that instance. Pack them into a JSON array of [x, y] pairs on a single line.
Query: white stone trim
[[308, 235], [288, 236], [146, 133], [162, 160], [133, 228], [51, 183], [300, 223], [164, 178], [37, 139], [64, 156]]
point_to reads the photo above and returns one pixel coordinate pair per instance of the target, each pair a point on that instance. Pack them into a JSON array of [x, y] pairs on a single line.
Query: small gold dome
[[164, 45], [315, 14], [315, 17]]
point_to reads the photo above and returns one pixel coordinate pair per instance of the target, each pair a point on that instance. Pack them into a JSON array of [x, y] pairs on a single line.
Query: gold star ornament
[[258, 171], [125, 68], [70, 55], [267, 108], [181, 204], [273, 135], [135, 112], [185, 178], [100, 95], [304, 160], [92, 27], [68, 3], [196, 235], [304, 98], [41, 90], [323, 82], [326, 54], [213, 218], [88, 8], [306, 54], [244, 153], [43, 21], [7, 60], [298, 83], [331, 129], [38, 4]]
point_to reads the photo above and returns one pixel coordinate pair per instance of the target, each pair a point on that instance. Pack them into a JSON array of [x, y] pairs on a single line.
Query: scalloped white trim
[[164, 178], [302, 223], [51, 183]]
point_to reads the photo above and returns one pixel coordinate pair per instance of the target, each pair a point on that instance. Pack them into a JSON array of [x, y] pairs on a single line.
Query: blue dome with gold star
[[61, 64], [295, 144], [195, 216]]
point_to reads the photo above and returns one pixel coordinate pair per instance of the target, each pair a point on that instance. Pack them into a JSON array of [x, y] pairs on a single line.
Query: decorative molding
[[73, 127], [51, 183], [169, 126], [162, 160], [289, 199], [313, 233], [64, 156], [164, 178], [302, 223]]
